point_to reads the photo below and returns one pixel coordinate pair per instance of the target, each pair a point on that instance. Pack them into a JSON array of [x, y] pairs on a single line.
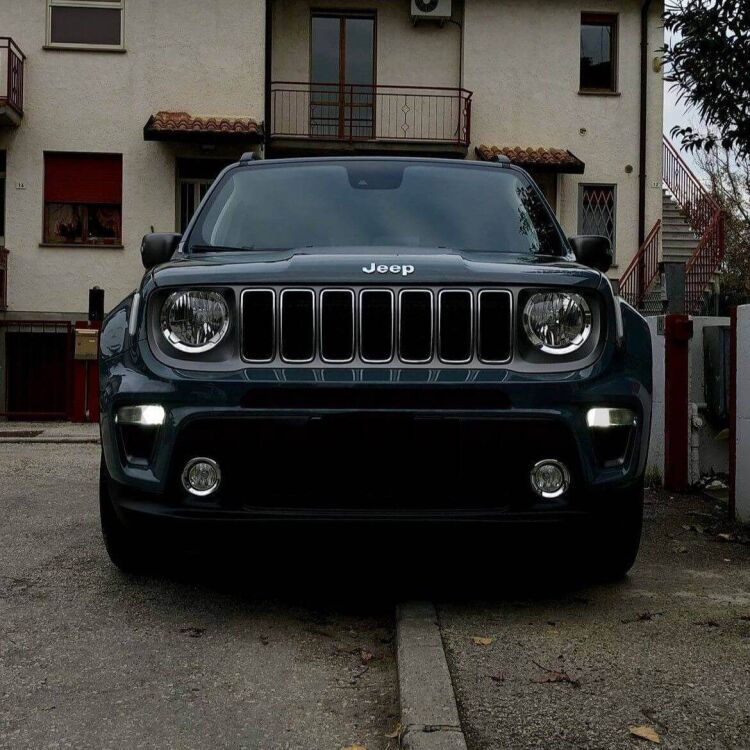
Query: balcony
[[11, 83], [344, 118]]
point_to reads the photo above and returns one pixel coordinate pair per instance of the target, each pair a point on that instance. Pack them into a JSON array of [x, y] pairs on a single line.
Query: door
[[547, 182], [194, 178], [342, 76]]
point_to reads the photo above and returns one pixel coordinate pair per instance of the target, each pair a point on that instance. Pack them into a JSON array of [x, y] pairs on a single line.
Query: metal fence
[[643, 270], [37, 369], [360, 112]]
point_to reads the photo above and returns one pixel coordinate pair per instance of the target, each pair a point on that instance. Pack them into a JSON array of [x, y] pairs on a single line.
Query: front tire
[[127, 549], [614, 539]]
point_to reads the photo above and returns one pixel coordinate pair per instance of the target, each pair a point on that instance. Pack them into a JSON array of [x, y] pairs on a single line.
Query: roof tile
[[539, 157], [184, 122]]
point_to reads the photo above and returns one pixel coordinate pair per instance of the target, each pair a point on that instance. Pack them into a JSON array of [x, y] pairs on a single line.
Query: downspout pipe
[[645, 7], [268, 73]]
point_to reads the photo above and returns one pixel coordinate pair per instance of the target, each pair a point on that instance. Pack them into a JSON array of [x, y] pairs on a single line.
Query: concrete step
[[680, 248], [676, 217], [677, 235], [676, 225], [677, 257]]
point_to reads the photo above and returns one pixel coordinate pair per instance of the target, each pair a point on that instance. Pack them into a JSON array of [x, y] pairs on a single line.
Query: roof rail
[[249, 156], [501, 159]]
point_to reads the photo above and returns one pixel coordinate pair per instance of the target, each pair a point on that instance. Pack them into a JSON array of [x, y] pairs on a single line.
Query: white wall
[[522, 63], [521, 60], [710, 446], [206, 58], [656, 446], [742, 415], [422, 55]]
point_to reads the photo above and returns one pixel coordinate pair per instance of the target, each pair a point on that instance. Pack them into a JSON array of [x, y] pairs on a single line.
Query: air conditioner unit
[[432, 10]]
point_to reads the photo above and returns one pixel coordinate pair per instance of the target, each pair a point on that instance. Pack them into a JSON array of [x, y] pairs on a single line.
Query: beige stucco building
[[560, 86]]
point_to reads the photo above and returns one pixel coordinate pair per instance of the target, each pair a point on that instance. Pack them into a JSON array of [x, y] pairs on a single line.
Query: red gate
[[38, 368]]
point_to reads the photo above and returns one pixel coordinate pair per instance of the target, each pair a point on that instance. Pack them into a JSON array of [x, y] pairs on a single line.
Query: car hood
[[388, 266]]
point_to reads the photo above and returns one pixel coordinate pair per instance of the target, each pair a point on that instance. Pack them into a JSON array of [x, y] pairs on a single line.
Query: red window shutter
[[83, 178]]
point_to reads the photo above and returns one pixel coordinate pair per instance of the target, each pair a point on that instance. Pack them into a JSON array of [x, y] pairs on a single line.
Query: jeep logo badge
[[403, 270]]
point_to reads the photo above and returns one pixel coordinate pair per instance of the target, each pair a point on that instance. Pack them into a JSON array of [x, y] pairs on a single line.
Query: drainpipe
[[268, 73], [645, 7]]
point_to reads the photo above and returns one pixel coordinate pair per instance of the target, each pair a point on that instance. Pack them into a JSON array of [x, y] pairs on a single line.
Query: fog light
[[146, 415], [603, 418], [201, 476], [549, 478]]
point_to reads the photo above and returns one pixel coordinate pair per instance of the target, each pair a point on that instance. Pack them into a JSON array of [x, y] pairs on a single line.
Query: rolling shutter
[[83, 178]]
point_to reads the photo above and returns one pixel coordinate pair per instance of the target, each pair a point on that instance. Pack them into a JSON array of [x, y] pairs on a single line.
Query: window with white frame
[[85, 24], [597, 211]]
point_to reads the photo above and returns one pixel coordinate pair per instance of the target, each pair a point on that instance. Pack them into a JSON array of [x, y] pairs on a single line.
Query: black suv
[[363, 339]]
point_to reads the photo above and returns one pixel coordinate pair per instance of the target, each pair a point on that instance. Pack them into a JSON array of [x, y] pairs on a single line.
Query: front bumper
[[359, 444]]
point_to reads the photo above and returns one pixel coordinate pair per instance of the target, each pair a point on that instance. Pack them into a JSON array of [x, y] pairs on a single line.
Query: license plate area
[[375, 460]]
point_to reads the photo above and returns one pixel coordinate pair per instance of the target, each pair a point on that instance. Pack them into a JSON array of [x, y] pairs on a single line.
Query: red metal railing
[[11, 64], [698, 205], [643, 269], [706, 218], [703, 264], [364, 112]]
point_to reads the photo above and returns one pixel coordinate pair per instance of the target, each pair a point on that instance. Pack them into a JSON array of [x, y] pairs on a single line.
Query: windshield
[[368, 203]]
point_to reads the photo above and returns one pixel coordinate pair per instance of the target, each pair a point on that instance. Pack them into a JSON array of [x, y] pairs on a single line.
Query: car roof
[[312, 160]]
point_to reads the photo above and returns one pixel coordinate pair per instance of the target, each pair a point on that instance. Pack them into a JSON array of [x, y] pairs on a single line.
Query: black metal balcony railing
[[361, 112], [11, 74]]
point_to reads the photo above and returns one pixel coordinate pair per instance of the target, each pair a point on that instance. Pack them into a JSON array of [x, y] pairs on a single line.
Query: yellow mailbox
[[86, 346]]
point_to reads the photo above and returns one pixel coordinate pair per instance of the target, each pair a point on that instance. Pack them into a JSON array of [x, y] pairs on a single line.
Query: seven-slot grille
[[377, 326]]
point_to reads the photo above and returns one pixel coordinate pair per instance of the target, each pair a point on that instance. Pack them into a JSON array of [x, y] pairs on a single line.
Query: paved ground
[[577, 667], [292, 646], [92, 659], [48, 432]]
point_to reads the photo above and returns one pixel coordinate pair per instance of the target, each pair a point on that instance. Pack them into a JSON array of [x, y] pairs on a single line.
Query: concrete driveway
[[92, 659], [292, 645], [668, 649]]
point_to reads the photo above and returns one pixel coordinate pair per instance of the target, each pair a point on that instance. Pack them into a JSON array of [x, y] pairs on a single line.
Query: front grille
[[377, 326]]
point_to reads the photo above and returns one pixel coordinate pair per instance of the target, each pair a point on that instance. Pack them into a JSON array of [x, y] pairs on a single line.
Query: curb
[[429, 716], [51, 441]]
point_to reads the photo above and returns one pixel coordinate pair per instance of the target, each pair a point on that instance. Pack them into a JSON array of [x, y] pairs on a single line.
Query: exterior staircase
[[691, 231], [678, 244], [678, 239]]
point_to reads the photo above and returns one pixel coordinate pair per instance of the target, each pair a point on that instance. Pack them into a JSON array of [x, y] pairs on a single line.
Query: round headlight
[[194, 321], [557, 322]]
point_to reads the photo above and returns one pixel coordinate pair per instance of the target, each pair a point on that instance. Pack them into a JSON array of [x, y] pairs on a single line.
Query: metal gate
[[37, 376]]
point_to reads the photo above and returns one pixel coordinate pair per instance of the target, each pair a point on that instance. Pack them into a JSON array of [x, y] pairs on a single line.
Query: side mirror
[[158, 248], [592, 251]]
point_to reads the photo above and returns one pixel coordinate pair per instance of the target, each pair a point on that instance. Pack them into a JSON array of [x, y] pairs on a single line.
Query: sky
[[675, 113]]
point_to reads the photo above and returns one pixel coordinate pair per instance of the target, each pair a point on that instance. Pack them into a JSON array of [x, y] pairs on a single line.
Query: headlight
[[557, 322], [194, 321]]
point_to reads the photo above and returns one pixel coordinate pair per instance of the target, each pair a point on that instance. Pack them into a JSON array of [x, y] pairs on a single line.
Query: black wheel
[[614, 539], [128, 550]]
